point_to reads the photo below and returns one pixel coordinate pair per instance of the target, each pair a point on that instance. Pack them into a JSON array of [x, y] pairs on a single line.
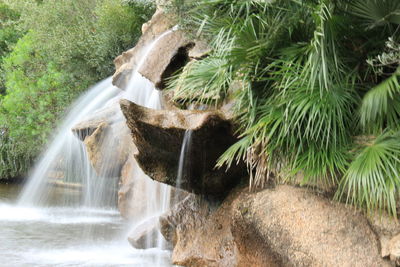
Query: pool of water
[[67, 236]]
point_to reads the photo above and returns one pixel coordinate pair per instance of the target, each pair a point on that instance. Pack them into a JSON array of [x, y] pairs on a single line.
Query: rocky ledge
[[158, 136]]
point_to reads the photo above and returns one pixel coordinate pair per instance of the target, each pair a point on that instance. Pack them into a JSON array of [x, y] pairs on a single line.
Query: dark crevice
[[177, 63]]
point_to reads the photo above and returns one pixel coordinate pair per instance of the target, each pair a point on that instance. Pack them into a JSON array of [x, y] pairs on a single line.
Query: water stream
[[79, 225]]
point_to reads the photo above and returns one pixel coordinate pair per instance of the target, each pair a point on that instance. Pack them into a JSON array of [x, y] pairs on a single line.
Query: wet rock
[[131, 193], [169, 54], [284, 226], [158, 136], [107, 140], [89, 124], [144, 235], [108, 148]]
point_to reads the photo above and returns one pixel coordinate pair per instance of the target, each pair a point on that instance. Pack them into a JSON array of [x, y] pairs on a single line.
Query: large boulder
[[298, 228], [283, 226], [158, 136]]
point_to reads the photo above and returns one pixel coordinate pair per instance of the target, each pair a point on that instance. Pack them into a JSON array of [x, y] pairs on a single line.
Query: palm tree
[[315, 85]]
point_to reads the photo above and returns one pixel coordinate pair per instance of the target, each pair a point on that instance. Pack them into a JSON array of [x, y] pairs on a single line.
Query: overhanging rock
[[158, 136]]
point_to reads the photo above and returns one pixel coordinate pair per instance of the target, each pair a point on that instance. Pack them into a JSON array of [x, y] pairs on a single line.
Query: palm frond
[[372, 180], [202, 81], [377, 12], [381, 105]]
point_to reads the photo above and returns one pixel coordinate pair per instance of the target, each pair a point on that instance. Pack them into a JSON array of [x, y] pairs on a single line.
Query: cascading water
[[184, 160], [83, 228], [66, 154]]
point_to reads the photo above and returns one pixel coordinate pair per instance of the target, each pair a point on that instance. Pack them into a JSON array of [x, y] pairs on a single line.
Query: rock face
[[284, 226], [107, 141], [200, 237], [171, 51], [158, 136]]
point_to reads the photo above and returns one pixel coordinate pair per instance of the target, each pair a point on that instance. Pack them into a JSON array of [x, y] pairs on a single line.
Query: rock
[[297, 228], [284, 226], [108, 148], [107, 140], [394, 250], [144, 235], [200, 237], [386, 228], [171, 51], [158, 136], [133, 193], [89, 124]]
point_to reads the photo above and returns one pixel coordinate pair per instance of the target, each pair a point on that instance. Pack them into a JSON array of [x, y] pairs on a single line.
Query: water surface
[[67, 236]]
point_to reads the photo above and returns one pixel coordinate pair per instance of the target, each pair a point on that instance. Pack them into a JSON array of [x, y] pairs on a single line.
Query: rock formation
[[158, 136], [171, 52], [283, 226]]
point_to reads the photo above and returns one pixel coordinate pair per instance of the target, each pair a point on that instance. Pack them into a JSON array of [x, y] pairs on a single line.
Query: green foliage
[[83, 37], [297, 71], [68, 45], [9, 35], [373, 178], [37, 94]]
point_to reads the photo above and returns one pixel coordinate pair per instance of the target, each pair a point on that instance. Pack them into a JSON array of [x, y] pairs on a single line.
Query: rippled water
[[62, 236]]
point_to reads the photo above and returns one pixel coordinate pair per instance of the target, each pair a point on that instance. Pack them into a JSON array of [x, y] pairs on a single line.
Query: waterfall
[[66, 161], [66, 153], [184, 160]]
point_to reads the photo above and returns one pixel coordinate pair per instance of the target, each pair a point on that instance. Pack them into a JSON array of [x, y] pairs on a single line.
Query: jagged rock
[[107, 140], [90, 124], [131, 195], [108, 149], [284, 226], [170, 53], [158, 136]]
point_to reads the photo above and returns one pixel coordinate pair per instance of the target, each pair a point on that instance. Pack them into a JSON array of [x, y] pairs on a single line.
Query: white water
[[66, 153], [183, 159], [62, 227]]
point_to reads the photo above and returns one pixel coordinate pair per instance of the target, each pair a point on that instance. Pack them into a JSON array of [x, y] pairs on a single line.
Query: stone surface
[[394, 250], [158, 136], [131, 193], [107, 140], [108, 148], [284, 226], [171, 52], [298, 228], [200, 237], [144, 235], [386, 228]]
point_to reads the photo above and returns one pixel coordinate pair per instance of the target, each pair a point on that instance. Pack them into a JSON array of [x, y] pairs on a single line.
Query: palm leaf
[[381, 105], [372, 180], [377, 12]]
